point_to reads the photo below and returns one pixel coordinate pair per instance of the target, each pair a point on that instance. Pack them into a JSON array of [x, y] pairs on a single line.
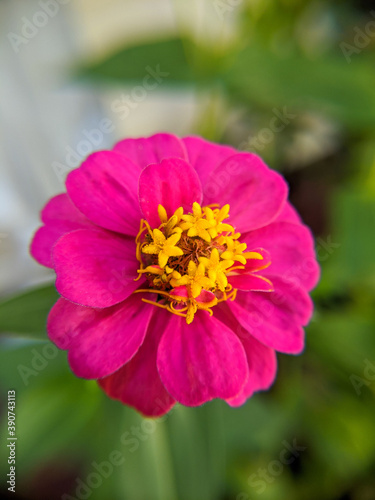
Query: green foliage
[[131, 63], [26, 314], [304, 84], [354, 215], [44, 427], [254, 76]]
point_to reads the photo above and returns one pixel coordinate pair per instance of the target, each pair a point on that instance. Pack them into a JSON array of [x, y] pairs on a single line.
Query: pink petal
[[138, 384], [292, 252], [99, 341], [104, 188], [253, 264], [256, 194], [289, 214], [63, 321], [262, 369], [145, 151], [205, 298], [180, 293], [172, 183], [201, 361], [205, 156], [95, 268], [60, 216], [261, 359], [251, 282], [275, 318]]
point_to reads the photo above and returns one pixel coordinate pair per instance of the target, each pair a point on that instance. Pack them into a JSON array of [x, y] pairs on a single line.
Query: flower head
[[182, 269]]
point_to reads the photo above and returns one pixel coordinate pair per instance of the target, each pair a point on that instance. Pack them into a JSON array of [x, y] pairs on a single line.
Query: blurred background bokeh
[[292, 80]]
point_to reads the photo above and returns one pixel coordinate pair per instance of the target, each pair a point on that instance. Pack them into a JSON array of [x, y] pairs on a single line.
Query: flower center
[[187, 259]]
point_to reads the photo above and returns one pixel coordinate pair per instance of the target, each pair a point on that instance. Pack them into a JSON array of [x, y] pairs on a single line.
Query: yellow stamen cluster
[[188, 257]]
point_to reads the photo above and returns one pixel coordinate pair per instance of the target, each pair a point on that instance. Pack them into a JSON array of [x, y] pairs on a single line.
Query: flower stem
[[160, 452]]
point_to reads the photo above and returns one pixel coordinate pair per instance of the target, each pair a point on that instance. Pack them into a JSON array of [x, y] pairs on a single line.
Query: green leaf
[[26, 313], [167, 57], [52, 420], [352, 349], [327, 84], [354, 216]]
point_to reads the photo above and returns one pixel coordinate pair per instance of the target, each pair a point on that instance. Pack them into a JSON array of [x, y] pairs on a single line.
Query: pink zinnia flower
[[182, 269]]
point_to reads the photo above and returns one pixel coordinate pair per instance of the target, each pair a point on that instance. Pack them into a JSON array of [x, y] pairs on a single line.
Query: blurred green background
[[236, 65]]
